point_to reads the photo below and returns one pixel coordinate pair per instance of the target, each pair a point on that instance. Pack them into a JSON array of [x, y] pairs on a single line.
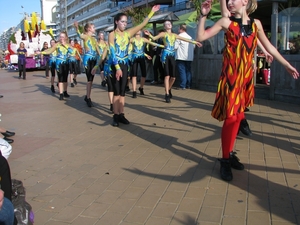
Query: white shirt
[[184, 50]]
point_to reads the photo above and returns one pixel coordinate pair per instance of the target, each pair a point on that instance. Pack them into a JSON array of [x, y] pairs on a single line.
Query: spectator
[[22, 52], [184, 58]]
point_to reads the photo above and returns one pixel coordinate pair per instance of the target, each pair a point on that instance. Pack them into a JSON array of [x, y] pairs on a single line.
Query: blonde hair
[[251, 6]]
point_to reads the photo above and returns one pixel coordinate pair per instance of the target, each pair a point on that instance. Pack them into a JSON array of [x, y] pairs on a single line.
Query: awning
[[161, 18]]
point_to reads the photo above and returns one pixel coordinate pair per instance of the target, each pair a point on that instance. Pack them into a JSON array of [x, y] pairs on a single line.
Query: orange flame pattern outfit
[[236, 88]]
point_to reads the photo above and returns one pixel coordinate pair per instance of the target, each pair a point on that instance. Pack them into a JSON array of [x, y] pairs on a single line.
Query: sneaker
[[235, 162], [170, 93], [66, 94], [103, 83], [122, 119], [52, 89], [225, 170], [244, 128], [141, 91], [167, 98], [72, 85], [127, 89], [88, 102], [115, 120], [61, 97], [74, 81], [134, 94]]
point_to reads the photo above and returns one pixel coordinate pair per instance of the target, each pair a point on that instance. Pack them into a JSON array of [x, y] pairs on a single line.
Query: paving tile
[[160, 169]]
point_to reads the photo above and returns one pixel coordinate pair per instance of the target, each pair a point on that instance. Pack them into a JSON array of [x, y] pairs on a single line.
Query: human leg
[[188, 66], [182, 73]]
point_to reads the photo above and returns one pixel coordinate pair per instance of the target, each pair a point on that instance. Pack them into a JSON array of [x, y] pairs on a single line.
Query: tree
[[137, 15]]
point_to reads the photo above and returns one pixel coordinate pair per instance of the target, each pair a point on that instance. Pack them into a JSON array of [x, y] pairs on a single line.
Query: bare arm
[[152, 43], [154, 38], [135, 29], [80, 35], [203, 34], [50, 50], [273, 51], [224, 10]]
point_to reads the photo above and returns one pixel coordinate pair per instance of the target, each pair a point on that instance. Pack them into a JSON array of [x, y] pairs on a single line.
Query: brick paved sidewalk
[[161, 169]]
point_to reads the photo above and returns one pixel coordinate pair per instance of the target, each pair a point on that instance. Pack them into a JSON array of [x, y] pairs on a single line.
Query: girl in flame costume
[[90, 57], [138, 58], [168, 55], [119, 40], [235, 92]]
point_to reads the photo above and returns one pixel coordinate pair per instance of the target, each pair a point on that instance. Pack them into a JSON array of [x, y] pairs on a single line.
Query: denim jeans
[[7, 213], [184, 70]]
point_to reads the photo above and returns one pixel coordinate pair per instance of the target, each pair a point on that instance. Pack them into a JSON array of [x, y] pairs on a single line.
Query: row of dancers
[[235, 89]]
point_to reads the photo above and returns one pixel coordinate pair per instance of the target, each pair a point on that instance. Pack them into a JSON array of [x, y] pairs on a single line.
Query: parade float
[[33, 34]]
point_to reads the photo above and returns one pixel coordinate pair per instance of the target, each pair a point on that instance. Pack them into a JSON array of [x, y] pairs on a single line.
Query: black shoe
[[115, 120], [88, 101], [9, 141], [225, 169], [244, 128], [66, 94], [134, 94], [127, 89], [61, 97], [141, 91], [167, 97], [1, 96], [103, 83], [72, 85], [246, 110], [8, 134], [122, 119], [170, 93], [52, 89], [235, 162], [111, 108], [74, 81]]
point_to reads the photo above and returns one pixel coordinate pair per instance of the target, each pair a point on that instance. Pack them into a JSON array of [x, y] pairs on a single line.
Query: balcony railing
[[80, 6], [98, 10], [69, 2]]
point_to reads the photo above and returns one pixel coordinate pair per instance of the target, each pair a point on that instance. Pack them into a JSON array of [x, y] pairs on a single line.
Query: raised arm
[[224, 10], [80, 35], [273, 51], [203, 34], [135, 29]]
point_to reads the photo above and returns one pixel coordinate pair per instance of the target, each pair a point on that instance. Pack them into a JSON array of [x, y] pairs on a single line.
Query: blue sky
[[12, 12]]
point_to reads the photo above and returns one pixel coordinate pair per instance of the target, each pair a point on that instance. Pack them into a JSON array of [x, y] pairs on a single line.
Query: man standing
[[184, 58]]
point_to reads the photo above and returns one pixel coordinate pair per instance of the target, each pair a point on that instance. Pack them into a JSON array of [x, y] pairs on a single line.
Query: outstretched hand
[[198, 44], [206, 7], [292, 71], [146, 32], [155, 8]]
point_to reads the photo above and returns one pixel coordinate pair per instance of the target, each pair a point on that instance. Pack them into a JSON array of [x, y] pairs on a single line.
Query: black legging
[[63, 72], [91, 63], [52, 69], [120, 85], [138, 61], [22, 68]]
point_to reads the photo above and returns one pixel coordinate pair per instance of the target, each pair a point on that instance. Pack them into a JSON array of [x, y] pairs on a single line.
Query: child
[[233, 96]]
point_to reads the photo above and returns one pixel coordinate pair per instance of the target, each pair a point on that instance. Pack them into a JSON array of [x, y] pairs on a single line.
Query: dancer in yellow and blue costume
[[74, 66], [168, 55], [119, 41], [102, 44], [63, 50], [90, 58], [138, 58]]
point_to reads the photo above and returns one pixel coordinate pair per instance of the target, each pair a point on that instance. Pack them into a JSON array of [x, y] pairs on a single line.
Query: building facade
[[48, 14]]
